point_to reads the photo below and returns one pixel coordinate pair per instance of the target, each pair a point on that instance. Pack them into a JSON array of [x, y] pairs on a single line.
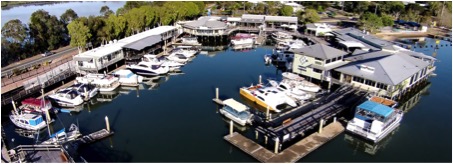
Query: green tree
[[79, 33], [105, 11], [387, 20], [311, 16], [15, 31], [46, 30], [272, 7], [286, 10], [260, 8], [135, 21], [361, 7], [68, 16], [370, 22], [116, 25]]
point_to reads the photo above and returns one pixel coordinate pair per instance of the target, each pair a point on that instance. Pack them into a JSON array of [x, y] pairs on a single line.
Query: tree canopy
[[80, 34], [286, 10]]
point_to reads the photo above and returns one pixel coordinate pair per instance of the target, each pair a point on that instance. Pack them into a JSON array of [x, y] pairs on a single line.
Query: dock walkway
[[90, 138], [291, 154]]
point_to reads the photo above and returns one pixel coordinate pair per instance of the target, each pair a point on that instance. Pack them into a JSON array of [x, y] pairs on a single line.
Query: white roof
[[235, 105], [233, 19], [352, 44]]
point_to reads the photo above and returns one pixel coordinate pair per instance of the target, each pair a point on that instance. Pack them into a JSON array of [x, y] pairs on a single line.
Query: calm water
[[178, 122], [23, 13]]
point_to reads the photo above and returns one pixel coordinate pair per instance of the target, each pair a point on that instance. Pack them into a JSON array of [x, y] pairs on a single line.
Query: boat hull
[[366, 135], [244, 92]]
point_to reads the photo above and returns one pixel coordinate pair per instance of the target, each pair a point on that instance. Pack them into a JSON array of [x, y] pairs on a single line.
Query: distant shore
[[10, 4]]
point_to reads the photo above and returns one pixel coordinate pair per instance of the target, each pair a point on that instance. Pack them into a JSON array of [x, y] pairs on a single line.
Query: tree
[[46, 30], [260, 8], [116, 25], [15, 31], [311, 16], [387, 20], [79, 33], [105, 11], [286, 10], [68, 16], [135, 21], [370, 21], [361, 7], [272, 7]]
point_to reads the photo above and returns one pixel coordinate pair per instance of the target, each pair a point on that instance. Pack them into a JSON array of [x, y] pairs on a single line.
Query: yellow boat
[[265, 96]]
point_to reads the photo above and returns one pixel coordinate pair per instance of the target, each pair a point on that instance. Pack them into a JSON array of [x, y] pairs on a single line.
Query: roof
[[280, 19], [352, 44], [389, 68], [329, 66], [144, 42], [320, 51], [233, 19], [376, 108], [351, 34], [209, 22], [249, 16], [235, 105]]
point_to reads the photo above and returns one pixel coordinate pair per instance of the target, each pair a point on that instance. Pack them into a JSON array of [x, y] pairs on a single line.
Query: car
[[47, 53]]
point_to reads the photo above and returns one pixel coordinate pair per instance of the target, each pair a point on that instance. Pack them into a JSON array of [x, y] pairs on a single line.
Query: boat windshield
[[241, 115], [155, 67]]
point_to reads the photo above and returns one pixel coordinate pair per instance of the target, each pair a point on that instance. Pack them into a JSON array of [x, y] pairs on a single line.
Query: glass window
[[327, 61], [317, 70], [334, 59], [318, 59]]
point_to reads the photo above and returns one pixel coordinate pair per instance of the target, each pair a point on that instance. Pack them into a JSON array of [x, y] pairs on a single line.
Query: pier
[[93, 137], [291, 154]]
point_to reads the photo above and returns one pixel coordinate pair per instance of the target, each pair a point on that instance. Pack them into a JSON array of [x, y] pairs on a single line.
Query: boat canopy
[[376, 108], [235, 105], [35, 102]]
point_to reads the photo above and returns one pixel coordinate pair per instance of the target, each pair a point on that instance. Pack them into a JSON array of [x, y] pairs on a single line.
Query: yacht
[[291, 91], [188, 51], [236, 111], [281, 36], [67, 98], [148, 69], [374, 120], [178, 56], [243, 39], [34, 105], [87, 91], [28, 121], [172, 65], [128, 78], [299, 82], [267, 97], [105, 83]]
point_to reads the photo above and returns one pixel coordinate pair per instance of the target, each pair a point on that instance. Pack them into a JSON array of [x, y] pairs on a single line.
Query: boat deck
[[291, 154]]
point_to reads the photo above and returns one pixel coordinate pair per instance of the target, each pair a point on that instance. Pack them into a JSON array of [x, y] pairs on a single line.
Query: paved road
[[28, 63]]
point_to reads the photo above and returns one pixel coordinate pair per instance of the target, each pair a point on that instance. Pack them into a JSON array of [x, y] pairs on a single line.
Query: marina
[[306, 95]]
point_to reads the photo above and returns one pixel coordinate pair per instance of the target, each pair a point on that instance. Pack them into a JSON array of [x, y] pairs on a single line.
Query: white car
[[47, 53]]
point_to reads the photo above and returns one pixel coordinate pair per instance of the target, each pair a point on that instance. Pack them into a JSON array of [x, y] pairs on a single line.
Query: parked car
[[47, 53]]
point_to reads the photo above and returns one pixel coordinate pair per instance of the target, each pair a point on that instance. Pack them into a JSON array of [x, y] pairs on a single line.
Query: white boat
[[87, 91], [62, 136], [266, 97], [236, 111], [373, 121], [172, 65], [188, 51], [292, 76], [28, 121], [291, 91], [148, 69], [127, 77], [105, 83], [190, 40], [299, 82], [281, 36], [67, 98], [243, 39], [178, 57]]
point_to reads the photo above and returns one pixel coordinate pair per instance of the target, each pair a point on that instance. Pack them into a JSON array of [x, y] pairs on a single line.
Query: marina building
[[132, 47], [206, 26]]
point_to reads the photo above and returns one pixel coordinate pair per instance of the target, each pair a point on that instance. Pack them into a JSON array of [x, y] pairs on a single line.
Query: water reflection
[[361, 145], [411, 99]]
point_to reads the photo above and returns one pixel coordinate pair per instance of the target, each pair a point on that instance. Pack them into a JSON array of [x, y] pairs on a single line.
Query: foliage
[[310, 16], [286, 10], [46, 30], [15, 31], [370, 21], [387, 20], [105, 11], [68, 16], [80, 34], [272, 7]]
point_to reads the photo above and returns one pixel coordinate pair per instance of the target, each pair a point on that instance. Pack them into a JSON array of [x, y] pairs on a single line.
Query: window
[[318, 59], [327, 61], [80, 63], [381, 86], [358, 79], [339, 57], [334, 59], [370, 83], [302, 68], [317, 70]]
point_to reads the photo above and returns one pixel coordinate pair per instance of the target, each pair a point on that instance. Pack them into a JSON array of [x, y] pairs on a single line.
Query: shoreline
[[29, 3]]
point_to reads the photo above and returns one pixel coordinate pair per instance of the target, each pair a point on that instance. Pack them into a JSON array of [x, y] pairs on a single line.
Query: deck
[[93, 137], [291, 154]]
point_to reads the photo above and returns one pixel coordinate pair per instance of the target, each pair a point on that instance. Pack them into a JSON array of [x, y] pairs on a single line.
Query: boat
[[188, 51], [281, 36], [267, 97], [290, 90], [237, 112], [148, 69], [87, 91], [290, 45], [67, 98], [34, 105], [172, 65], [179, 57], [299, 82], [105, 83], [127, 77], [28, 121], [62, 136], [373, 120], [190, 41], [292, 76], [243, 39]]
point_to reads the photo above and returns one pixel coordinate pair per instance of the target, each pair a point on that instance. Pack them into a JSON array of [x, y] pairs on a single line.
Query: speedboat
[[105, 83], [62, 136], [67, 98], [188, 51], [172, 65], [178, 57], [87, 91], [373, 120], [281, 36], [291, 91], [148, 69], [267, 97], [34, 105], [236, 111], [128, 78], [28, 121]]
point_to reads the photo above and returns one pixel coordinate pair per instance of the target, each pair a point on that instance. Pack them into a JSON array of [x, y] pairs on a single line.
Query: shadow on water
[[361, 145]]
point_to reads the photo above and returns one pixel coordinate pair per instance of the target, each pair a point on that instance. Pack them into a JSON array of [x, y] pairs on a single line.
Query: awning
[[145, 42], [82, 58]]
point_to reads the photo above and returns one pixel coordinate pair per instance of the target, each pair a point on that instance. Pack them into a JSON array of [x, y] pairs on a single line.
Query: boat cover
[[235, 105], [376, 108]]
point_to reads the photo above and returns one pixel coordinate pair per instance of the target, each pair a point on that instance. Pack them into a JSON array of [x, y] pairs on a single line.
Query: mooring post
[[105, 73], [260, 80], [256, 134], [14, 106], [107, 124], [320, 125], [267, 113], [265, 139], [277, 143], [334, 119], [217, 93], [86, 93], [136, 79], [231, 128]]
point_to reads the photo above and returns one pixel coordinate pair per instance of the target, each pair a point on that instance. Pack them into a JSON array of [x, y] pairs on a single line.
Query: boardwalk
[[291, 154]]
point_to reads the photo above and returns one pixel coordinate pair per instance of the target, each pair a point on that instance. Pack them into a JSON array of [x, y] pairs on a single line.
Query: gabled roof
[[320, 51], [389, 68]]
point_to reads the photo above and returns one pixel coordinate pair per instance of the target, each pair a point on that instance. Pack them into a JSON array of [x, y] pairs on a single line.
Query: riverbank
[[432, 32], [10, 4]]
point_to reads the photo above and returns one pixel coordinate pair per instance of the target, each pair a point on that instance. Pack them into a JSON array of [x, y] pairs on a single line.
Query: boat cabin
[[29, 119], [370, 111], [236, 109]]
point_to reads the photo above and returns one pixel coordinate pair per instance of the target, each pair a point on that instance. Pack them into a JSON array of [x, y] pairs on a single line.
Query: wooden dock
[[291, 154], [90, 138]]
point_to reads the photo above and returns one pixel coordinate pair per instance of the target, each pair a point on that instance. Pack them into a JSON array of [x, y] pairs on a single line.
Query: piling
[[14, 106], [107, 124], [231, 127], [277, 143], [256, 134], [320, 126], [260, 82], [334, 119], [267, 113], [86, 93], [217, 93], [265, 139]]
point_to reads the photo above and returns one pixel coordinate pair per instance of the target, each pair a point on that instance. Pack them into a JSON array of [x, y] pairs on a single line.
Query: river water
[[82, 8], [176, 120]]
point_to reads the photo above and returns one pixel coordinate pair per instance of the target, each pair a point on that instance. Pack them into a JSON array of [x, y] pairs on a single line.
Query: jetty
[[291, 154], [95, 136]]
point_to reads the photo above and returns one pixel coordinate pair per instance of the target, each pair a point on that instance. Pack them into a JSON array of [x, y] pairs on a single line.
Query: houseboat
[[267, 97], [236, 111], [105, 83], [374, 120]]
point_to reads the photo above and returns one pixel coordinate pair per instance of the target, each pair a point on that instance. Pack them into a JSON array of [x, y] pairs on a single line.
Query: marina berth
[[127, 77], [67, 98], [236, 111], [267, 97], [105, 83], [373, 121], [28, 121], [148, 69]]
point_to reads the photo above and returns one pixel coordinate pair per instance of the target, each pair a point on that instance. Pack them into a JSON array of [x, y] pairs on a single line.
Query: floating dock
[[90, 138], [291, 154]]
